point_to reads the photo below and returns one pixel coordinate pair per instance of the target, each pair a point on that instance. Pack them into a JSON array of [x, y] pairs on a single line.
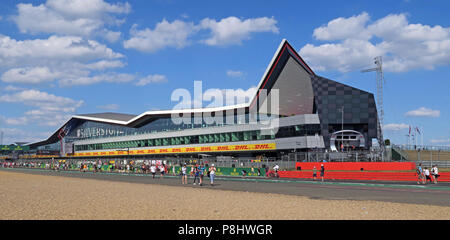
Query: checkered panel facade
[[360, 112]]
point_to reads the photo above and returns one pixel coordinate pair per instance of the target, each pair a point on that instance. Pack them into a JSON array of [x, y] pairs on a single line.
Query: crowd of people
[[424, 175], [197, 171]]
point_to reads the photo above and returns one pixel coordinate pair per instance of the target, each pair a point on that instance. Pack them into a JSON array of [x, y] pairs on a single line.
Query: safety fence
[[362, 175]]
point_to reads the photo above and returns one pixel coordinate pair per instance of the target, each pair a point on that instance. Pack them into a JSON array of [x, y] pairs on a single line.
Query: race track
[[395, 192]]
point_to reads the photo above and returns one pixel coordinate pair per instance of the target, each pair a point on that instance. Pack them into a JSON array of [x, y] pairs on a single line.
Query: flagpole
[[415, 139], [409, 136], [421, 136]]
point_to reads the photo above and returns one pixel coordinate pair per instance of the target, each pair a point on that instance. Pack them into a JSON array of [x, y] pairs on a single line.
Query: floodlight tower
[[379, 69]]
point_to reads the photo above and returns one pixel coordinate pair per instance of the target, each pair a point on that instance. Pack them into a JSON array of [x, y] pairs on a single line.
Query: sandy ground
[[27, 196]]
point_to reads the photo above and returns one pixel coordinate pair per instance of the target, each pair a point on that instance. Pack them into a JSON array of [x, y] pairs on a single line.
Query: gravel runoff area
[[29, 196]]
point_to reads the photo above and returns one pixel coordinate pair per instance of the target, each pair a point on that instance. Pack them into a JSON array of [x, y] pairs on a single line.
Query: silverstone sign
[[98, 132]]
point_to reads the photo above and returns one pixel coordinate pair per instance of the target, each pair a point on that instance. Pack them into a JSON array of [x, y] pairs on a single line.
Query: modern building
[[305, 112]]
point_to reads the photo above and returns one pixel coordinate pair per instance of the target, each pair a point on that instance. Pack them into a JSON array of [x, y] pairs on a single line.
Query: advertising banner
[[225, 148]]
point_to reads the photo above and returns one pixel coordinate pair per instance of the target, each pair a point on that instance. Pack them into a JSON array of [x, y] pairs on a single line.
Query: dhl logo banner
[[246, 147], [39, 156]]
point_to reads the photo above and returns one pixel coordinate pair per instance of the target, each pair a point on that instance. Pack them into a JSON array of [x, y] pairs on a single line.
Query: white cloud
[[235, 74], [53, 49], [404, 46], [177, 34], [439, 141], [343, 28], [70, 17], [14, 121], [68, 60], [12, 135], [50, 110], [112, 36], [165, 34], [88, 80], [28, 75], [105, 64], [109, 107], [87, 8], [11, 88], [395, 126], [233, 30], [42, 100], [349, 55], [423, 112], [151, 79]]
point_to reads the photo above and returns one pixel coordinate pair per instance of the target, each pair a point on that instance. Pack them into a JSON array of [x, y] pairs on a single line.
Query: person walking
[[427, 175], [162, 170], [196, 174], [435, 173], [419, 172], [314, 173], [322, 171], [276, 168], [153, 170], [201, 171], [184, 174], [212, 173]]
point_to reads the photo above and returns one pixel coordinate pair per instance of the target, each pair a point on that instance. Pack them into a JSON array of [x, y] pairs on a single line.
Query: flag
[[64, 130], [410, 130], [417, 129]]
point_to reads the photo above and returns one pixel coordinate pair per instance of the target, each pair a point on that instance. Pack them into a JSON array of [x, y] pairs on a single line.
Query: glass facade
[[291, 131], [93, 130]]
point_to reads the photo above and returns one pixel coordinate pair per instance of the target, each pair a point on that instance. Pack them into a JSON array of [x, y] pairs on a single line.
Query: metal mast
[[379, 69]]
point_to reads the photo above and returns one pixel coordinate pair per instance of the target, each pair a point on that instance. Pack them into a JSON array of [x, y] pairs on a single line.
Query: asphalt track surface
[[397, 192]]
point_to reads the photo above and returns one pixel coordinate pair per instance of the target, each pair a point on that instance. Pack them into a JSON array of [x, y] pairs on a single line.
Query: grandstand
[[427, 155]]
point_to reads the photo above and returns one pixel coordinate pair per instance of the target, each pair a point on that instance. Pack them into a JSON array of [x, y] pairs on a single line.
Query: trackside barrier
[[356, 166], [380, 176], [220, 171], [229, 171]]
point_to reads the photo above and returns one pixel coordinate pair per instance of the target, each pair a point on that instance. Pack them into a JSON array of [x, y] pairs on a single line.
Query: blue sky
[[64, 57]]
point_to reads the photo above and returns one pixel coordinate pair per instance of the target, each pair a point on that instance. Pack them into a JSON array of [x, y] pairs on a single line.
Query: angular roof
[[110, 116]]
